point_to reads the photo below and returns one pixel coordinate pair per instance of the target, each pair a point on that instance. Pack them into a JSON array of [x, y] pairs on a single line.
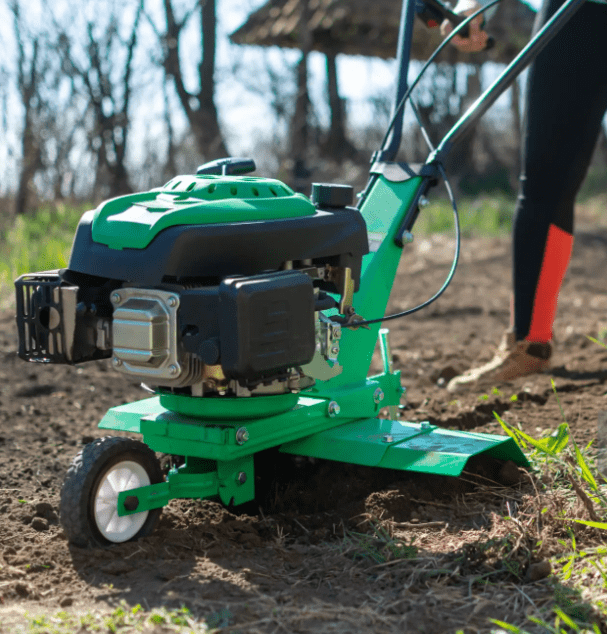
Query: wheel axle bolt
[[242, 435], [378, 396], [131, 502], [334, 409], [241, 478], [116, 299]]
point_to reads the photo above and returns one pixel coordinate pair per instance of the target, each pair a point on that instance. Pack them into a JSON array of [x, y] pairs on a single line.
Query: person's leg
[[565, 101], [566, 98]]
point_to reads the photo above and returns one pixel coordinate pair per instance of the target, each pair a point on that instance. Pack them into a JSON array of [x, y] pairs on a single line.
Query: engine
[[211, 285]]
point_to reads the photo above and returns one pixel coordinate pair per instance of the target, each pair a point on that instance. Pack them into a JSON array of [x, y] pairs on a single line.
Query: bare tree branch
[[199, 107]]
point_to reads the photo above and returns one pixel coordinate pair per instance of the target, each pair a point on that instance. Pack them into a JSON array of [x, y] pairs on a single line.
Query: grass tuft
[[125, 620], [37, 242], [479, 216]]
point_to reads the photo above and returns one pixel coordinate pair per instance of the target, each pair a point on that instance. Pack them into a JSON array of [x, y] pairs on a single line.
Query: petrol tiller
[[252, 313]]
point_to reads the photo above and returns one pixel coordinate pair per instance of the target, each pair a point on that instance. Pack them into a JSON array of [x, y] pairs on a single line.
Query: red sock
[[557, 253]]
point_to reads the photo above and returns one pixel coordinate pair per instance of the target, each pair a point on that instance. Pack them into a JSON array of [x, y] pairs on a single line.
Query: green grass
[[36, 242], [595, 183], [42, 240], [126, 620], [480, 216]]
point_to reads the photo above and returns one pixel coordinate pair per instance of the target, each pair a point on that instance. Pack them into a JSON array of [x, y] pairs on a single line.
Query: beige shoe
[[512, 360]]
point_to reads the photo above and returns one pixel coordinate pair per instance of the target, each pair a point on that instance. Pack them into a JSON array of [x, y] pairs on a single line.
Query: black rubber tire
[[80, 485]]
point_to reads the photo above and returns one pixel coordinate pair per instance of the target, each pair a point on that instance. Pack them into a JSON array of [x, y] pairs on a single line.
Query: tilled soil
[[334, 548]]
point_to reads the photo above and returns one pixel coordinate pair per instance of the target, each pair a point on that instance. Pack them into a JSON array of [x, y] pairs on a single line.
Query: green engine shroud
[[134, 221]]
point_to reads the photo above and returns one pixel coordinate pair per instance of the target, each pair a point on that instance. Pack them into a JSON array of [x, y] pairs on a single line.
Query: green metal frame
[[336, 419]]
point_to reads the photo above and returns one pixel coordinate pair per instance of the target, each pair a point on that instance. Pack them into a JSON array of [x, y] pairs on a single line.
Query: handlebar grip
[[439, 8], [456, 19]]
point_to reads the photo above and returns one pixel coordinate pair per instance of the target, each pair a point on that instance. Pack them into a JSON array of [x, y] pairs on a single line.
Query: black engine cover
[[215, 251], [266, 324]]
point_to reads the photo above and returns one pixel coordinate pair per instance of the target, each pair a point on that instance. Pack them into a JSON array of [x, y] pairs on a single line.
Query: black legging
[[565, 101]]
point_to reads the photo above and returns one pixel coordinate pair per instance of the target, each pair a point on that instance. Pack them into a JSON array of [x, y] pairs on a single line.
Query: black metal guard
[[40, 320]]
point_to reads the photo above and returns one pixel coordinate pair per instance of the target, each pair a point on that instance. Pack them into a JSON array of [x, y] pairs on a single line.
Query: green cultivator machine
[[251, 313]]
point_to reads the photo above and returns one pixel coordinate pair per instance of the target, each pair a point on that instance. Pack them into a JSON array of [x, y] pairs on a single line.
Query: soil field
[[333, 548]]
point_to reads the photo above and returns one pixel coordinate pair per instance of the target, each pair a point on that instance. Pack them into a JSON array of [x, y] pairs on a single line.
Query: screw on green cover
[[133, 221]]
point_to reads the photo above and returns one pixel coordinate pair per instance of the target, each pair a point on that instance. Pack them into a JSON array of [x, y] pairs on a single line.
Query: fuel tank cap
[[330, 195]]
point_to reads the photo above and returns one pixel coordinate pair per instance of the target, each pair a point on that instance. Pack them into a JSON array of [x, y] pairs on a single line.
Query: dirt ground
[[337, 548]]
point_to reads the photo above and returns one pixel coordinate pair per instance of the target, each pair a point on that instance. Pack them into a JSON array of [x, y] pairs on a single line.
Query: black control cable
[[407, 96], [443, 288]]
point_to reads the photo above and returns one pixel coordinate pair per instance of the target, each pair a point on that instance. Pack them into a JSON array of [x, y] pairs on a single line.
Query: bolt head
[[116, 298], [116, 362], [131, 503], [334, 409], [388, 438], [241, 478], [335, 350], [173, 370], [378, 396], [172, 301], [407, 237], [242, 435]]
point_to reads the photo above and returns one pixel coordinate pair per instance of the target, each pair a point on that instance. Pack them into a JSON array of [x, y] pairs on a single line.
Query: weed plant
[[569, 484]]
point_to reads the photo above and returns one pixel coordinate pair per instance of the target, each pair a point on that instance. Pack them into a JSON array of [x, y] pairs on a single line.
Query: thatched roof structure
[[360, 27]]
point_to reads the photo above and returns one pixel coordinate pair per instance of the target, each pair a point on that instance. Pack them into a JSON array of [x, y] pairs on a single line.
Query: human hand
[[477, 38]]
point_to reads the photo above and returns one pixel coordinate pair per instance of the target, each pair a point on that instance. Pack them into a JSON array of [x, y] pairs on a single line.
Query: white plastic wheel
[[122, 476]]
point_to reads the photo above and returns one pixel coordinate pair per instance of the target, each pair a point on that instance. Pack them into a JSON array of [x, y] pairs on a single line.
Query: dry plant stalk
[[586, 501]]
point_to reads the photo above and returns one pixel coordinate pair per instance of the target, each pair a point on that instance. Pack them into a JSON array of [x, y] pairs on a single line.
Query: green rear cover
[[133, 221]]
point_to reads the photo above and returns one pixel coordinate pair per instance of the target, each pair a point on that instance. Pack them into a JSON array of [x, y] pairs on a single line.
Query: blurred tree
[[31, 72], [295, 24], [336, 145], [199, 105], [300, 129], [99, 61]]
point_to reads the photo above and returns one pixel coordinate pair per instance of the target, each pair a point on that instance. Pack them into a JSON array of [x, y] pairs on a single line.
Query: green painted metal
[[236, 480], [133, 221], [128, 417], [219, 439], [232, 482], [229, 408], [405, 446], [383, 212]]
